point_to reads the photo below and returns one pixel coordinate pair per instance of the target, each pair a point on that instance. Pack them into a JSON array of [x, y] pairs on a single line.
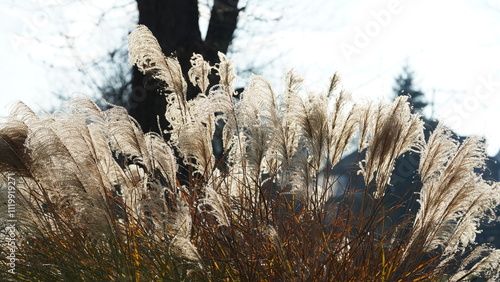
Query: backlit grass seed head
[[215, 205], [388, 131], [453, 198]]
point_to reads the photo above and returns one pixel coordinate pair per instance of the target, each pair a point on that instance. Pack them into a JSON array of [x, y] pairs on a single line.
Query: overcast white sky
[[453, 47]]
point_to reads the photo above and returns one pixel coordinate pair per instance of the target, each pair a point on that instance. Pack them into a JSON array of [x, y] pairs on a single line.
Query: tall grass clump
[[98, 199]]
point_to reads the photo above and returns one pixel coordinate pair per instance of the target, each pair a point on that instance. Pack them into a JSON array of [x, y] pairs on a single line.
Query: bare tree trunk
[[223, 22], [175, 25]]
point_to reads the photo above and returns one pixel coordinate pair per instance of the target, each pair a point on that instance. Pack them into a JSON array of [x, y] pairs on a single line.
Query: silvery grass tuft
[[100, 199]]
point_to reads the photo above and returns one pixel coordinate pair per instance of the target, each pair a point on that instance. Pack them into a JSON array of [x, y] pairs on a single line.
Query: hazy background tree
[[405, 86]]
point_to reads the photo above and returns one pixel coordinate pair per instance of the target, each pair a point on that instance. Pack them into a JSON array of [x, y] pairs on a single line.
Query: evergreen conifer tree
[[405, 86]]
